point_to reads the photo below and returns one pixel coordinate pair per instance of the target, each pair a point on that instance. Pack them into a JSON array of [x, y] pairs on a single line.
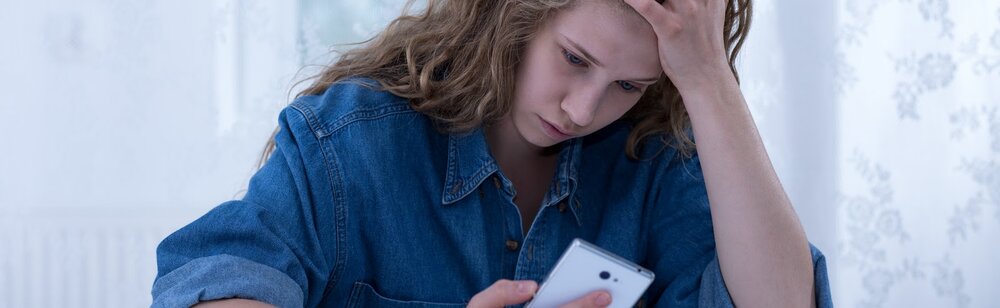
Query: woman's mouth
[[554, 131]]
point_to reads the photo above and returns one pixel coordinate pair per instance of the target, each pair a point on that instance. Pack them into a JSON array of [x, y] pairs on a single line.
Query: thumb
[[504, 292], [593, 299]]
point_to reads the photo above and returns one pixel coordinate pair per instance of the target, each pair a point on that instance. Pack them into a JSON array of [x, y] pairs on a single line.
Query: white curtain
[[882, 120], [124, 120]]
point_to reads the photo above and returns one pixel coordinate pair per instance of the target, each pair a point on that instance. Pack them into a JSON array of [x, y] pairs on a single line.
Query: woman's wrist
[[717, 87], [705, 77]]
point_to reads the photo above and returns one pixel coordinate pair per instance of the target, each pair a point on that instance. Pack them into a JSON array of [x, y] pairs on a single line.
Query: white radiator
[[75, 258]]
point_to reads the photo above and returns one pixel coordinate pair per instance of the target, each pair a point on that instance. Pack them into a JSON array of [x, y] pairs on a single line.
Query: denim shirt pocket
[[364, 295]]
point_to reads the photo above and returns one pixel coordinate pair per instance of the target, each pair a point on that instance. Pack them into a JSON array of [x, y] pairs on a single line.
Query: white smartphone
[[586, 268]]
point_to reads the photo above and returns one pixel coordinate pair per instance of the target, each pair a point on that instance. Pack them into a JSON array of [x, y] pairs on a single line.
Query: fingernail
[[603, 299]]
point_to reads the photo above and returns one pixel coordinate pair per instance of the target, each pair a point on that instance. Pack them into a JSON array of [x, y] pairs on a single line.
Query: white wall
[[124, 120]]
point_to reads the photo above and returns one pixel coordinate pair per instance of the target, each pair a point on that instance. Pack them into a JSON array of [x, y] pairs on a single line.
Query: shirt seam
[[336, 190]]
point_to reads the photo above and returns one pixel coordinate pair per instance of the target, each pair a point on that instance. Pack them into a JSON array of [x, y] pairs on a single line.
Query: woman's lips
[[554, 131]]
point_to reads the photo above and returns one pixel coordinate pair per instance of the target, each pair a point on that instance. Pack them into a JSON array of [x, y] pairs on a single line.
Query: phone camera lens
[[605, 275]]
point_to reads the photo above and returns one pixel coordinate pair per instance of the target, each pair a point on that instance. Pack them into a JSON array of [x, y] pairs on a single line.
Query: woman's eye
[[627, 86], [572, 59]]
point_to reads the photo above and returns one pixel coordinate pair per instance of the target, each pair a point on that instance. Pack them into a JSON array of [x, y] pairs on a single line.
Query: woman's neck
[[530, 168]]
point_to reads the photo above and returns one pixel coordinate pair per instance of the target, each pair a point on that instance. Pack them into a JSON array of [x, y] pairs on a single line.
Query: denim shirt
[[365, 203]]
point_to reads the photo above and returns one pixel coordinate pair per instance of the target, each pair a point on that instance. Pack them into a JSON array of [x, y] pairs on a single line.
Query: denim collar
[[470, 163]]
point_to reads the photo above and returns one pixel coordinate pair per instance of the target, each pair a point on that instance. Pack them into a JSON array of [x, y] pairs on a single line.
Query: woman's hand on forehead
[[690, 39]]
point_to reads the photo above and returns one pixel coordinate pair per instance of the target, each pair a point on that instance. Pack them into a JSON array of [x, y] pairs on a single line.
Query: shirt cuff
[[713, 292], [225, 276]]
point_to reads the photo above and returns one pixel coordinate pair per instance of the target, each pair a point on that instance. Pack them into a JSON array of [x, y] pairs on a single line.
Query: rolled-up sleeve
[[225, 276], [276, 245], [682, 245], [713, 292]]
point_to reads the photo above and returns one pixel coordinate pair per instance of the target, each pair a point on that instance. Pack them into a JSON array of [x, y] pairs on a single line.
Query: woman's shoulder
[[347, 101]]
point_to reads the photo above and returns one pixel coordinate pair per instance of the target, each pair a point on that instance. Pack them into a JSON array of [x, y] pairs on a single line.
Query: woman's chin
[[546, 144]]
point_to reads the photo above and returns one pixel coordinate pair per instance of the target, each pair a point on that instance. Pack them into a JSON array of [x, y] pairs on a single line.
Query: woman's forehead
[[607, 35]]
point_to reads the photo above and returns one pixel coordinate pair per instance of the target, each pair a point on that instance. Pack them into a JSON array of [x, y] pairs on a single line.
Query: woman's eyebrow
[[586, 55]]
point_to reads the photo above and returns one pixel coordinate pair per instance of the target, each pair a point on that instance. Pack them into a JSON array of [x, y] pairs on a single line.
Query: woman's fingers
[[717, 5], [653, 12], [686, 7], [504, 292], [597, 299]]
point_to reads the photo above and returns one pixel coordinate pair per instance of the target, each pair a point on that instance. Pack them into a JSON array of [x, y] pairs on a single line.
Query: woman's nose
[[581, 105]]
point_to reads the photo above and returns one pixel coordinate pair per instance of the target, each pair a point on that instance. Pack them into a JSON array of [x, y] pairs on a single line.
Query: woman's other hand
[[508, 292]]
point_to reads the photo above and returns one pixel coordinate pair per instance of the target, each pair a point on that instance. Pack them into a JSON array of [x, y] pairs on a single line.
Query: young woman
[[450, 160]]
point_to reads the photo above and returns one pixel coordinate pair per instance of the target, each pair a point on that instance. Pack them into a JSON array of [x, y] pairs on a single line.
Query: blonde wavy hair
[[456, 63]]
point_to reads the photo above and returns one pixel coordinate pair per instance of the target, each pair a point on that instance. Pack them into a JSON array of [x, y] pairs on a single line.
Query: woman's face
[[584, 69]]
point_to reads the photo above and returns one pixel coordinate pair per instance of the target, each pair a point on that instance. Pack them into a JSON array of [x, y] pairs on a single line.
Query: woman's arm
[[762, 249], [276, 244]]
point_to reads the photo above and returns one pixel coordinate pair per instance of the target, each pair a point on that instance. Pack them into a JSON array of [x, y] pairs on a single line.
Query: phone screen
[[586, 268]]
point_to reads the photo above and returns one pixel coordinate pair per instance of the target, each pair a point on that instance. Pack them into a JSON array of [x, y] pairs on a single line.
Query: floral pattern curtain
[[919, 203], [882, 121]]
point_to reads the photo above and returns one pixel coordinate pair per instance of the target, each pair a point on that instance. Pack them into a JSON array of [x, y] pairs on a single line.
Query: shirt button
[[496, 182], [562, 207], [512, 245]]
